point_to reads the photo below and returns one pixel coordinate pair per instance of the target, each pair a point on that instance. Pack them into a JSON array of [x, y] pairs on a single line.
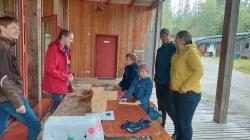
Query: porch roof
[[146, 3]]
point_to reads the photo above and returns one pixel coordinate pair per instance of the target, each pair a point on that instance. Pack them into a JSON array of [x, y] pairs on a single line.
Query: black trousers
[[165, 102]]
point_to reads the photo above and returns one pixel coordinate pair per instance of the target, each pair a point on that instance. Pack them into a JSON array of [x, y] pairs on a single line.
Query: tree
[[204, 18], [244, 17]]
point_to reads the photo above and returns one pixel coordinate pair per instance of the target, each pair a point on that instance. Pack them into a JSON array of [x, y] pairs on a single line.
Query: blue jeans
[[56, 100], [185, 106], [29, 118]]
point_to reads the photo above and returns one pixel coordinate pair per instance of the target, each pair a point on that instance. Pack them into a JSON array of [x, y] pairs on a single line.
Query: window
[[140, 55], [247, 45]]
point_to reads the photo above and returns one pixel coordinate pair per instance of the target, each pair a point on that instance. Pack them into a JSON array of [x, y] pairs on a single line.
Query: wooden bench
[[163, 133], [20, 131]]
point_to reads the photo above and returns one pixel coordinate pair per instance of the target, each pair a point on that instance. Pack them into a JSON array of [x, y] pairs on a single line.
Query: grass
[[242, 65]]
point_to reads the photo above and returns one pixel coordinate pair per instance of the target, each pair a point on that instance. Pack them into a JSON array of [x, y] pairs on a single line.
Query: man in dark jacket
[[162, 76], [12, 101]]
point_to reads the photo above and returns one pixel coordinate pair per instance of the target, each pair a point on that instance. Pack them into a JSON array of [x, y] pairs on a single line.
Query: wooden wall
[[7, 8], [132, 25], [53, 7], [47, 8]]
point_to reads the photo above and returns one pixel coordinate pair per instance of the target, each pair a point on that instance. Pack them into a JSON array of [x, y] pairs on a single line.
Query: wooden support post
[[157, 32], [34, 49], [154, 4], [108, 1], [226, 60], [23, 45], [132, 3], [66, 14]]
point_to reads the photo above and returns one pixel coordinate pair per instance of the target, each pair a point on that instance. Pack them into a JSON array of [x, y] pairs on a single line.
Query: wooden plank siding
[[130, 24], [48, 8]]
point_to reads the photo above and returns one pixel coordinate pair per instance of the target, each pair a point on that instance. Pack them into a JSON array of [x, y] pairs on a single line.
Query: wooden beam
[[226, 60], [155, 4], [108, 1], [66, 14], [157, 32], [23, 45], [34, 50], [132, 3]]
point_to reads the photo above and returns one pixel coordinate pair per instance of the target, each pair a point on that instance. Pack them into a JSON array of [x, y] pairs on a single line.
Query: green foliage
[[204, 19]]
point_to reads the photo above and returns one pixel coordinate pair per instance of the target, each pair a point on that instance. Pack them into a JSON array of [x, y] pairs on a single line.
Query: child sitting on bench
[[140, 88], [131, 71]]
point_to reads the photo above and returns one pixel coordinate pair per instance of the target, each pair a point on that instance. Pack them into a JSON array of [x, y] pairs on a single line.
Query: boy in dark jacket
[[12, 101], [141, 88], [131, 71]]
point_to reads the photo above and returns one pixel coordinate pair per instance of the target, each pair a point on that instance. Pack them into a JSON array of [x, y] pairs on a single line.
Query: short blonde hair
[[131, 56]]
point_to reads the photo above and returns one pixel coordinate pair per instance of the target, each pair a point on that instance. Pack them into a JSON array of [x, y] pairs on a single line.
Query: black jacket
[[163, 63], [131, 71]]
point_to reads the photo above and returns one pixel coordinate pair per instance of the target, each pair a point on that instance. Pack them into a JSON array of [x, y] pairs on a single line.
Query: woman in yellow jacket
[[186, 73]]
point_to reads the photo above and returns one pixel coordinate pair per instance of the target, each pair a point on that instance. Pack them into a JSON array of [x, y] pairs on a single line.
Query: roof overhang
[[146, 3]]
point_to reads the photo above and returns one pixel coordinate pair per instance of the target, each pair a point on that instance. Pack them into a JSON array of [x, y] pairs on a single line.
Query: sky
[[175, 4]]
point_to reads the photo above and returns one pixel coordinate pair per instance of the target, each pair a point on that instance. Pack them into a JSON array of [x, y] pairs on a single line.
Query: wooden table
[[77, 103], [123, 113]]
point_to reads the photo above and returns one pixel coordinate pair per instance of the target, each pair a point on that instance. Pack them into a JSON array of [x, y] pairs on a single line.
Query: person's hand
[[155, 78], [138, 102], [183, 91], [21, 109], [123, 100], [118, 87], [71, 78]]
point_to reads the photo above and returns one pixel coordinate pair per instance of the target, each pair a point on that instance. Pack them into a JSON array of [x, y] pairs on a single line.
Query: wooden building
[[211, 45]]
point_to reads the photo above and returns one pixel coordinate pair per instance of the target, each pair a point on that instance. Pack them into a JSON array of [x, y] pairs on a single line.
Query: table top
[[79, 103], [75, 104], [122, 114]]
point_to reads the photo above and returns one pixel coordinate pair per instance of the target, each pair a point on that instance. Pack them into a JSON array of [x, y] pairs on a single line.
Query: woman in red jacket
[[57, 72]]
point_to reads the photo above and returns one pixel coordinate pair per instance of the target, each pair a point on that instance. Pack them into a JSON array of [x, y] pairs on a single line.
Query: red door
[[106, 56]]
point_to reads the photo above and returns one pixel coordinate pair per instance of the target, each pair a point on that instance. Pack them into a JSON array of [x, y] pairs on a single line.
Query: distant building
[[211, 45]]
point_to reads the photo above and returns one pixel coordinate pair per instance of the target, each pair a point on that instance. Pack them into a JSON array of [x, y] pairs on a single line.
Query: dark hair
[[63, 32], [164, 31], [186, 35], [131, 56], [5, 21]]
